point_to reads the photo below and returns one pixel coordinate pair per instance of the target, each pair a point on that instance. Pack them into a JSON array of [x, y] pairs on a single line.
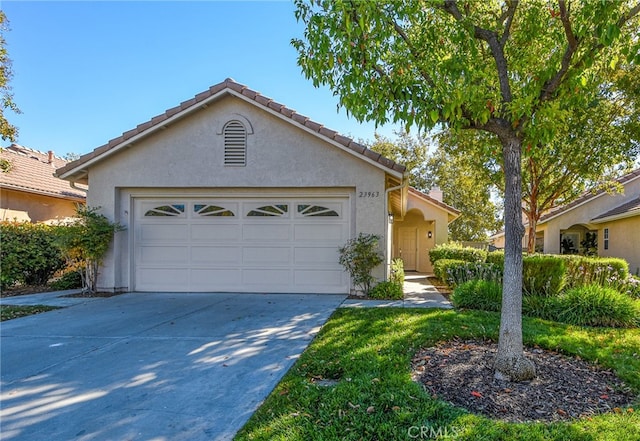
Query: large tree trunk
[[510, 361]]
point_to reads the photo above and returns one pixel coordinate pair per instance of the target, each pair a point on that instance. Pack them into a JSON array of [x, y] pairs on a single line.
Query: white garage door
[[241, 245]]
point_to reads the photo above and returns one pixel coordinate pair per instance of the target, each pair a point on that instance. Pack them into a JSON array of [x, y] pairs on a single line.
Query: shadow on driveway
[[151, 366]]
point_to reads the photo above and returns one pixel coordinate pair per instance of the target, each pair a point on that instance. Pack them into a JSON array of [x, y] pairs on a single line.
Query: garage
[[240, 244]]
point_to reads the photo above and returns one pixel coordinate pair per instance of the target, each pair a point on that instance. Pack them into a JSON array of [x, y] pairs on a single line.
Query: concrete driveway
[[151, 366]]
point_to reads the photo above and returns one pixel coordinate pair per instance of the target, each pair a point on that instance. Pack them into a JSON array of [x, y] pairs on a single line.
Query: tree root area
[[461, 372]]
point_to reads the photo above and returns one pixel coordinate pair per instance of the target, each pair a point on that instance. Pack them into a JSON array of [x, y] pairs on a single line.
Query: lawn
[[8, 312], [354, 381]]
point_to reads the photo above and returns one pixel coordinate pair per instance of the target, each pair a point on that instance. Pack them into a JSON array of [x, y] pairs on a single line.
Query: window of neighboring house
[[606, 238], [235, 144]]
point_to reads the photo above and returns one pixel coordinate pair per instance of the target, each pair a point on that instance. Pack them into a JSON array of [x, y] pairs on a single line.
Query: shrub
[[69, 280], [397, 272], [85, 242], [601, 271], [543, 275], [594, 305], [442, 266], [458, 272], [632, 286], [359, 257], [28, 254], [496, 257], [478, 294], [387, 290], [543, 306], [456, 251]]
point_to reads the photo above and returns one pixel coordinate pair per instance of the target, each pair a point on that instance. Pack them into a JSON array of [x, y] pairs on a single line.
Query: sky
[[87, 71]]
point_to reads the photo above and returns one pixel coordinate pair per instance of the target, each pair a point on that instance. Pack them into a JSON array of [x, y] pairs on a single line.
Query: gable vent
[[235, 144]]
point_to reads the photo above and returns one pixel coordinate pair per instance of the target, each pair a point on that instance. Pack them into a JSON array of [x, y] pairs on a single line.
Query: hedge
[[456, 251], [543, 274], [29, 255]]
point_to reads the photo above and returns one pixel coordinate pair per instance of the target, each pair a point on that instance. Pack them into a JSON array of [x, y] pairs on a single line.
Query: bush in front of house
[[594, 305], [543, 274], [442, 266], [456, 251], [397, 272], [632, 286], [496, 257], [29, 255], [603, 271], [359, 257], [387, 291], [456, 272], [69, 280], [478, 294]]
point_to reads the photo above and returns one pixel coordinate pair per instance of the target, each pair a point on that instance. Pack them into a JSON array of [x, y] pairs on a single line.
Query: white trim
[[615, 217]]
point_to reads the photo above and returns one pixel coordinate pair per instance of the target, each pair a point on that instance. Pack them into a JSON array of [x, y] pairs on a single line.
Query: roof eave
[[616, 217]]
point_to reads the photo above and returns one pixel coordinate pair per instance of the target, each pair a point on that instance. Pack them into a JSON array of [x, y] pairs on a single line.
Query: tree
[[411, 152], [84, 243], [515, 70], [7, 131], [464, 187]]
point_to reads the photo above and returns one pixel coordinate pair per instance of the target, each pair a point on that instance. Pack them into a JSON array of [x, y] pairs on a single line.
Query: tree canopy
[[7, 131], [518, 71]]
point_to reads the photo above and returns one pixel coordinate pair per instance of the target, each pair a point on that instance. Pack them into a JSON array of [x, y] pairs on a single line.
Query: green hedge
[[387, 291], [496, 257], [456, 251], [603, 271], [442, 266], [543, 274], [455, 272], [29, 255], [478, 294]]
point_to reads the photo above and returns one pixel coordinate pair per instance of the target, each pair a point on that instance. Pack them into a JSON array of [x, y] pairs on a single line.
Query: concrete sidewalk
[[418, 293], [53, 298]]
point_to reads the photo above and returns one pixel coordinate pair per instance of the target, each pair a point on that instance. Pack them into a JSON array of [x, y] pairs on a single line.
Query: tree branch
[[497, 51], [412, 50], [508, 15]]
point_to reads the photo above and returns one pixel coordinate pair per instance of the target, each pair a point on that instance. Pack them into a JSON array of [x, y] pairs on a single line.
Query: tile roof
[[633, 206], [260, 100], [587, 196], [32, 172]]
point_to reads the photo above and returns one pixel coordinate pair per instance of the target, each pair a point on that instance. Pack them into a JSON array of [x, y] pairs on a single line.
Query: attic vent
[[235, 144]]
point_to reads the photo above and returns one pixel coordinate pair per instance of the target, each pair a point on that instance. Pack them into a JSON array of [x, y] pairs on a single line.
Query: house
[[30, 192], [232, 191], [608, 223]]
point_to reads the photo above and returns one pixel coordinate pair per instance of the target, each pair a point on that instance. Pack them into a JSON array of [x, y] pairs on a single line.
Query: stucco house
[[30, 192], [232, 191], [612, 219]]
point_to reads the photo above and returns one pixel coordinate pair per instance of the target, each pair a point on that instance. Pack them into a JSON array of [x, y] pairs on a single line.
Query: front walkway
[[418, 293]]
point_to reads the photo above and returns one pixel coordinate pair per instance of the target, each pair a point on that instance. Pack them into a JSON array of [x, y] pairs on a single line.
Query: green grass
[[8, 312], [368, 352]]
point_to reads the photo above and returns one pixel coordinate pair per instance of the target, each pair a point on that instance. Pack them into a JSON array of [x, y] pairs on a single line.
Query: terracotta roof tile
[[31, 172], [262, 100]]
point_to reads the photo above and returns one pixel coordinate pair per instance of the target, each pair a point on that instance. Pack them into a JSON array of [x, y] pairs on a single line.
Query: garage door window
[[277, 210], [316, 210], [211, 210], [166, 210]]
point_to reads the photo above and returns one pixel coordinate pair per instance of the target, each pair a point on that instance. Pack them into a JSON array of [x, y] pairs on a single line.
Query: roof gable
[[441, 205], [628, 209], [77, 169], [32, 171]]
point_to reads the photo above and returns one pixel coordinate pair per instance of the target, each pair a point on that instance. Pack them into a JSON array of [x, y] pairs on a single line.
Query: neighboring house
[[231, 191], [29, 191], [612, 221]]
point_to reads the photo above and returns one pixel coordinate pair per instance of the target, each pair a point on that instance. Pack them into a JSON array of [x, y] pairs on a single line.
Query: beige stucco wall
[[624, 241], [423, 217], [30, 207], [187, 158]]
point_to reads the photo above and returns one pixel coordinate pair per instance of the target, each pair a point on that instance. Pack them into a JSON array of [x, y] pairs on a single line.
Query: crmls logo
[[427, 431]]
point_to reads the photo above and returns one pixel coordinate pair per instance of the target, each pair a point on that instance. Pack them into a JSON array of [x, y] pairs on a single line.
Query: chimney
[[50, 155], [436, 193]]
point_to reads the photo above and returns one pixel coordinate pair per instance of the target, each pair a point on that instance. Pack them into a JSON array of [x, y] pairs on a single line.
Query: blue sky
[[84, 72]]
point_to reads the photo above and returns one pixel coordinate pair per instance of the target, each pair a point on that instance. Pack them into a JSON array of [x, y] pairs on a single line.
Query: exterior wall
[[187, 158], [22, 206], [624, 241]]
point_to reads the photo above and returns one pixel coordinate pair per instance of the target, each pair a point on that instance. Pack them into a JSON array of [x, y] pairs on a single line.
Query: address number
[[368, 194]]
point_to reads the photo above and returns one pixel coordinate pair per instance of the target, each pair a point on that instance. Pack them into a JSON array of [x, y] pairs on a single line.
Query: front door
[[408, 249]]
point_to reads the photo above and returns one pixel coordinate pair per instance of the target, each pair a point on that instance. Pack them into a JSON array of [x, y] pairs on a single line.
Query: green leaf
[[435, 115]]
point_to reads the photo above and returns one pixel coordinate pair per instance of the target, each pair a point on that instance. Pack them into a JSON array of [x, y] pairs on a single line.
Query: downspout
[[387, 255], [73, 185]]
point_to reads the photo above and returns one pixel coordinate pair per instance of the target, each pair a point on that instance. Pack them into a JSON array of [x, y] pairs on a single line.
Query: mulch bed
[[461, 372]]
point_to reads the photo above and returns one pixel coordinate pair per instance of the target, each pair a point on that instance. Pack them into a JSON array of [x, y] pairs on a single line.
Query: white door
[[240, 245]]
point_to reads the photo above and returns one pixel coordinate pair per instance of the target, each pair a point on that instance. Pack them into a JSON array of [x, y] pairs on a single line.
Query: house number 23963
[[368, 194]]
